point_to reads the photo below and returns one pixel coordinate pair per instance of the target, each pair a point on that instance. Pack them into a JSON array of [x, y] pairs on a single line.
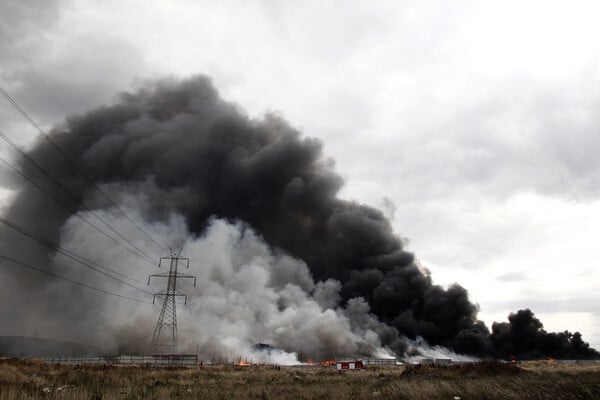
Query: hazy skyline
[[472, 124]]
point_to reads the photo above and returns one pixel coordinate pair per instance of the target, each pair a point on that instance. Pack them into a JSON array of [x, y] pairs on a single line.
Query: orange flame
[[242, 363]]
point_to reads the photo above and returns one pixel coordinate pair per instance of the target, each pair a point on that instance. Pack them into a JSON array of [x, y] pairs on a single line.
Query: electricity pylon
[[164, 339]]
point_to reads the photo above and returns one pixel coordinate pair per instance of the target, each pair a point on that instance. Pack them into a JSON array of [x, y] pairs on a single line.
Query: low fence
[[161, 360], [193, 360], [368, 361]]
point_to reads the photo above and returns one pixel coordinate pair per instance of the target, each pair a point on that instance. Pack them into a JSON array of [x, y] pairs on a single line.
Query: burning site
[[299, 200], [277, 255]]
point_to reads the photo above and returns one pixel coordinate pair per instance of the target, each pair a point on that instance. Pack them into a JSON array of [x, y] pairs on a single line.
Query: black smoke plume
[[523, 337], [187, 151]]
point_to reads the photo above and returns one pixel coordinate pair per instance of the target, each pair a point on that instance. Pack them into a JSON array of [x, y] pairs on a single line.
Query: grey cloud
[[547, 305], [81, 72], [512, 277], [25, 16], [531, 138], [92, 76]]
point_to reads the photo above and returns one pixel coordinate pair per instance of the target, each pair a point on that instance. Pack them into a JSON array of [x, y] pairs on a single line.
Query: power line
[[21, 111], [67, 253], [67, 191], [76, 166], [37, 76], [102, 192], [91, 265], [70, 280], [74, 211], [88, 264]]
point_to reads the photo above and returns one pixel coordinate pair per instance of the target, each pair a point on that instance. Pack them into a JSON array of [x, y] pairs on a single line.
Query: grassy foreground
[[37, 380]]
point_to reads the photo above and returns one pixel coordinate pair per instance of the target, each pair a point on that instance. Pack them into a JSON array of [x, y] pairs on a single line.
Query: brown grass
[[29, 379]]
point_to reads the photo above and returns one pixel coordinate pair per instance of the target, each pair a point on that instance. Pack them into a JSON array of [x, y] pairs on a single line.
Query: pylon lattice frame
[[164, 339]]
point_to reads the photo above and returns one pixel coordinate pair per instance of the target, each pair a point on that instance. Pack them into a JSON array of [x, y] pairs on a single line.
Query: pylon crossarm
[[169, 259], [163, 294], [161, 260], [169, 293], [163, 275], [183, 276]]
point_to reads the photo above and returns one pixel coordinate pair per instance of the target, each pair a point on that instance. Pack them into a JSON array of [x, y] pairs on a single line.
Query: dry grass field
[[537, 380]]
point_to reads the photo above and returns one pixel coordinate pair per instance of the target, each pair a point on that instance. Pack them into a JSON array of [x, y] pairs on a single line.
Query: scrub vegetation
[[33, 379]]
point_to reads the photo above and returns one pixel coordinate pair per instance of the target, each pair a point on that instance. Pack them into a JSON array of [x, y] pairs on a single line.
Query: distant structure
[[344, 365], [164, 340]]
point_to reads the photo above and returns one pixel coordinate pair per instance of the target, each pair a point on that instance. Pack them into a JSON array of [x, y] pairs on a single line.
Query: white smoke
[[246, 293], [419, 349]]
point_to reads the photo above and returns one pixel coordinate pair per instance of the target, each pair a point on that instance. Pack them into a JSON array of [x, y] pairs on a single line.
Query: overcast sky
[[475, 125]]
